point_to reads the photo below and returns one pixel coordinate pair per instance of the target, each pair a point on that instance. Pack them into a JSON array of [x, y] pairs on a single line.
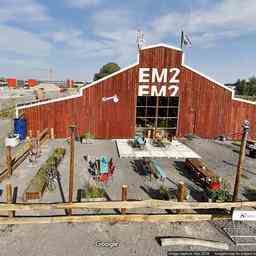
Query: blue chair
[[103, 164], [139, 142]]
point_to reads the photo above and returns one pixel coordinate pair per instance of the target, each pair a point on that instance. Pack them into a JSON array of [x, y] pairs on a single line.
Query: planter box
[[37, 185]]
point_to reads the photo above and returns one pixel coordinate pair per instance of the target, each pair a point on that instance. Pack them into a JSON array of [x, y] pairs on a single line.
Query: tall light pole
[[246, 127]]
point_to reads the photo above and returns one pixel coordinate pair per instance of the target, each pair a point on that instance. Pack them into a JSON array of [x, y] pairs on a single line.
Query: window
[[162, 111]]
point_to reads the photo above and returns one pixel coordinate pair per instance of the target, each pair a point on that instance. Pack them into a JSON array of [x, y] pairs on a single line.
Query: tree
[[245, 87], [106, 70]]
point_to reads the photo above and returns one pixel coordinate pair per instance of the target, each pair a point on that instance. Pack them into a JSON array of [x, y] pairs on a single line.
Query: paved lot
[[136, 238]]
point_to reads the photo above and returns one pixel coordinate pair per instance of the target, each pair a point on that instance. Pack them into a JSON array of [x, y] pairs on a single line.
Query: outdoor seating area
[[174, 149], [101, 169]]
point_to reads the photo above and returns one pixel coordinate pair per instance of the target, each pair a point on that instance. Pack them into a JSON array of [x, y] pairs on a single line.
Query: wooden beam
[[52, 133], [8, 196], [43, 133], [151, 203], [3, 174], [9, 160], [124, 197], [181, 195], [241, 160], [193, 241], [71, 166], [114, 218]]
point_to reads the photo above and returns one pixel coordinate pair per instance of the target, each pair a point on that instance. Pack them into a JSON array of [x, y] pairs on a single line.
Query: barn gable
[[207, 108]]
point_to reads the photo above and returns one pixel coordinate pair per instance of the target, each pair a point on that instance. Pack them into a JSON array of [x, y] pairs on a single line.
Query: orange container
[[12, 82], [32, 82]]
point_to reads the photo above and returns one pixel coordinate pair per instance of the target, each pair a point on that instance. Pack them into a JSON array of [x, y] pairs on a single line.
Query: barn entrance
[[159, 112]]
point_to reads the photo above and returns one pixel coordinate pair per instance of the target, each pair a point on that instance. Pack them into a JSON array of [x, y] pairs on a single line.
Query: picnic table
[[200, 170]]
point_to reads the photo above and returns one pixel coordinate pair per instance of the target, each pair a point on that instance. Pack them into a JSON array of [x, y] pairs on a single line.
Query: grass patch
[[245, 176], [92, 191]]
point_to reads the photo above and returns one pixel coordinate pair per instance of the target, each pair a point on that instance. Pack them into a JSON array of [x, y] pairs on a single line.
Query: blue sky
[[76, 37]]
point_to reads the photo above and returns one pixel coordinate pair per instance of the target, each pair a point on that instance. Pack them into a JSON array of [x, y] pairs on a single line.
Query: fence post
[[9, 160], [52, 133], [246, 127], [181, 194], [124, 197], [71, 166], [8, 198]]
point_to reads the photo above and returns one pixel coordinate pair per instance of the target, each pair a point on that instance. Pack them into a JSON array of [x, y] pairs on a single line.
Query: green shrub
[[92, 191], [87, 136], [165, 193], [7, 113]]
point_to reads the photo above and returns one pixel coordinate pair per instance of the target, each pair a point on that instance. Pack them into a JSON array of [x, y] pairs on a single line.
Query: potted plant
[[218, 190]]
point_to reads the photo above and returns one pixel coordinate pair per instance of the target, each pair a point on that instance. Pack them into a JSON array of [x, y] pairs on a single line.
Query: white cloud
[[63, 35], [22, 42], [23, 11], [117, 29], [227, 19], [82, 3]]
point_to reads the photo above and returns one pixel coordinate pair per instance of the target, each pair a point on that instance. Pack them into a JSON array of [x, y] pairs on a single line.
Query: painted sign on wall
[[167, 78]]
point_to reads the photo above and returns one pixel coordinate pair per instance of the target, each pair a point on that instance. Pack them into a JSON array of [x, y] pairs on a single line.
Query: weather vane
[[140, 39]]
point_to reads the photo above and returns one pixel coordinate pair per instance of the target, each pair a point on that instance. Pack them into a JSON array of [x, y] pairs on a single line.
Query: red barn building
[[159, 90]]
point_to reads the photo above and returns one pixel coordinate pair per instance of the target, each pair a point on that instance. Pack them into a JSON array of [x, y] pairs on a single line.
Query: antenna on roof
[[140, 39]]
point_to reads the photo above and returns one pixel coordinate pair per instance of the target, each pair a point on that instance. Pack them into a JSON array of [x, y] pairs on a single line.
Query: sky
[[76, 37]]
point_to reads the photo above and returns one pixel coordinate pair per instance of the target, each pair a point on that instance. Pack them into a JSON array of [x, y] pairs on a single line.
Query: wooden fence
[[12, 209], [12, 162]]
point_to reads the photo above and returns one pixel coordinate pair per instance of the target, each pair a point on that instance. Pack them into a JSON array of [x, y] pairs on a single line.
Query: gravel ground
[[133, 238], [222, 157]]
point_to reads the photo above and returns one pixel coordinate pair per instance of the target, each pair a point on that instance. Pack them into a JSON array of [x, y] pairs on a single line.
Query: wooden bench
[[200, 170]]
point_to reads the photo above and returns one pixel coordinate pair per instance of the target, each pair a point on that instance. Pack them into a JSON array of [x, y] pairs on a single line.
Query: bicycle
[[52, 179]]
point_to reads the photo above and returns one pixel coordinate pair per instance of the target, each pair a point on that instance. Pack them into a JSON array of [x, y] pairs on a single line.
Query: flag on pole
[[185, 40]]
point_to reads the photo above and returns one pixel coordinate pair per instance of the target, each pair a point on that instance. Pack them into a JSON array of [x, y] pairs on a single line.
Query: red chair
[[104, 177]]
